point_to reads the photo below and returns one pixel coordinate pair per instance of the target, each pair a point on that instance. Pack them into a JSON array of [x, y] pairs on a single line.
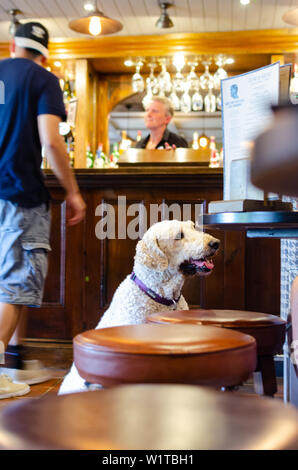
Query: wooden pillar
[[86, 134], [103, 114]]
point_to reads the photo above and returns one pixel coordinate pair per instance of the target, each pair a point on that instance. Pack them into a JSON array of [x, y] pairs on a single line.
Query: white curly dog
[[168, 252]]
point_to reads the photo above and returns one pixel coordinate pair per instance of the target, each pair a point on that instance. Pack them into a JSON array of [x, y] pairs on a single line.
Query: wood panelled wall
[[84, 271]]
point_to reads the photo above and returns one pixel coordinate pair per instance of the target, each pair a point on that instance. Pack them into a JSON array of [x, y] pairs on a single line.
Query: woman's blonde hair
[[166, 102]]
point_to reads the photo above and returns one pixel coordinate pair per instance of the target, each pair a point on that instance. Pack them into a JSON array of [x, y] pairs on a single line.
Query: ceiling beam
[[271, 41]]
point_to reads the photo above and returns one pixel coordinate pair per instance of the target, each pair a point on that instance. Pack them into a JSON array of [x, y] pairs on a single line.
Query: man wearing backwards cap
[[29, 119]]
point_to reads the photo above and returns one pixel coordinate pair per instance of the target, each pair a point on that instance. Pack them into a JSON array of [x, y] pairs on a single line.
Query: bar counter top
[[143, 175]]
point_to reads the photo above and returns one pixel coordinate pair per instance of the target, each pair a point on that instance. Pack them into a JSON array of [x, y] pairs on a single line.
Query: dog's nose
[[214, 244]]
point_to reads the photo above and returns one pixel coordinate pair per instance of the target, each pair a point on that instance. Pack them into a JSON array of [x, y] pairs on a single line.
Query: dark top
[[29, 91], [168, 137]]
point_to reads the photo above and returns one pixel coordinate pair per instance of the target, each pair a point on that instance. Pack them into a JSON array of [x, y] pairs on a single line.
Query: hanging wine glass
[[192, 79], [151, 86], [197, 101], [151, 81], [175, 100], [185, 102], [206, 79], [193, 87], [210, 102], [220, 73], [137, 79], [178, 83], [178, 79], [164, 79], [147, 98]]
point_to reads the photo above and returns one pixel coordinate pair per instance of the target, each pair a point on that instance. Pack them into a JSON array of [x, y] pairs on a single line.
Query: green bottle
[[100, 159], [89, 158], [115, 154]]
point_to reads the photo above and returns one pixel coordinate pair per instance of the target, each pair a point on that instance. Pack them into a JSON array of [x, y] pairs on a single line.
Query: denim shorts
[[24, 246]]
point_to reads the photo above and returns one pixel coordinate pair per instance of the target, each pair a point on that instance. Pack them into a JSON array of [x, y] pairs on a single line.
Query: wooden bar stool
[[147, 353], [135, 417], [268, 330]]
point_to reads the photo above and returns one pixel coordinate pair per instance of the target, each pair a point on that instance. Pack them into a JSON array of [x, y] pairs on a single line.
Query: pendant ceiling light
[[291, 17], [164, 21], [95, 23]]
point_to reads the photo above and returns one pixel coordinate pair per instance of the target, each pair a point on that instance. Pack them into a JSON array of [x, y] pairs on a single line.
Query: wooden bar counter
[[84, 271]]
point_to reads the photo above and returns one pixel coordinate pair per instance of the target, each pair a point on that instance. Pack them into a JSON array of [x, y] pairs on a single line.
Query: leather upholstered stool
[[147, 353], [268, 330]]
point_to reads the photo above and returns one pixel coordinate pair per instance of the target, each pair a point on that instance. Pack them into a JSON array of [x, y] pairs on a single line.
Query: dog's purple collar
[[152, 294]]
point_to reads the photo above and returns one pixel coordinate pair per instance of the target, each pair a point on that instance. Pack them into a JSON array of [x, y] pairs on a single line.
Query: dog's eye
[[179, 236]]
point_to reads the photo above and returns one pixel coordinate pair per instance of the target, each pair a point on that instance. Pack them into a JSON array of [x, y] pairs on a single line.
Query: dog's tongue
[[208, 264]]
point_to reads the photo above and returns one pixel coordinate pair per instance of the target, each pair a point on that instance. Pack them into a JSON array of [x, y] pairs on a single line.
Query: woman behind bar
[[158, 114]]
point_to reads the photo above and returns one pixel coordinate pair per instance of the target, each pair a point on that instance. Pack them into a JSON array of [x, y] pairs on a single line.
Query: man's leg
[[12, 330], [20, 332], [14, 355], [9, 317]]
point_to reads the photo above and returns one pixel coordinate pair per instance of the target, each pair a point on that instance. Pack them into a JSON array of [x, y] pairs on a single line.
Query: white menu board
[[246, 111]]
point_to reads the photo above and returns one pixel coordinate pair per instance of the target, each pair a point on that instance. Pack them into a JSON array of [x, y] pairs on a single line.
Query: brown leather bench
[[268, 330], [149, 417], [148, 353]]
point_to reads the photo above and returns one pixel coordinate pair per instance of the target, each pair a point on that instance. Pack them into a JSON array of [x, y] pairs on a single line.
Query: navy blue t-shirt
[[29, 90]]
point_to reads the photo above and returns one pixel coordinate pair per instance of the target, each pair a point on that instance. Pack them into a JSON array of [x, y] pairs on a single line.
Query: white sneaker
[[28, 376], [9, 389]]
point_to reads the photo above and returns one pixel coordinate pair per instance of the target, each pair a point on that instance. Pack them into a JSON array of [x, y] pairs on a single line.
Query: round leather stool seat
[[144, 417], [148, 353], [268, 330]]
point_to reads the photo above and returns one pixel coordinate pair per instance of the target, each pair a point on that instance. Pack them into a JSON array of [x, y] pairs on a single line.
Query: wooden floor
[[58, 358]]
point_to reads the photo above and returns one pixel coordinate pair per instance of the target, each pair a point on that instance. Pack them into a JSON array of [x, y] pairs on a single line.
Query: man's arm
[[55, 151]]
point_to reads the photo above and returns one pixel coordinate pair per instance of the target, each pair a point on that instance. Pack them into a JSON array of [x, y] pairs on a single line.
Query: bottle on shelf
[[67, 94], [100, 158], [115, 156], [89, 157], [70, 151], [195, 141], [139, 136], [214, 156], [125, 142]]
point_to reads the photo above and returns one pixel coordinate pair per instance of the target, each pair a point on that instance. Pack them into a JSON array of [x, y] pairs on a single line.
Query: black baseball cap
[[34, 36]]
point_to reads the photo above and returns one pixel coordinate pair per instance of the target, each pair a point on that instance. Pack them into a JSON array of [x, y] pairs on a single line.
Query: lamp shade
[[96, 24], [164, 21], [291, 17]]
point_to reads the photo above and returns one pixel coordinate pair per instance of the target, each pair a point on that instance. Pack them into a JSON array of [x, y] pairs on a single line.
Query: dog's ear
[[150, 255]]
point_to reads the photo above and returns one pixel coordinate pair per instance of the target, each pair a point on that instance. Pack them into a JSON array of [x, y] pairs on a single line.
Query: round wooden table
[[149, 417]]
